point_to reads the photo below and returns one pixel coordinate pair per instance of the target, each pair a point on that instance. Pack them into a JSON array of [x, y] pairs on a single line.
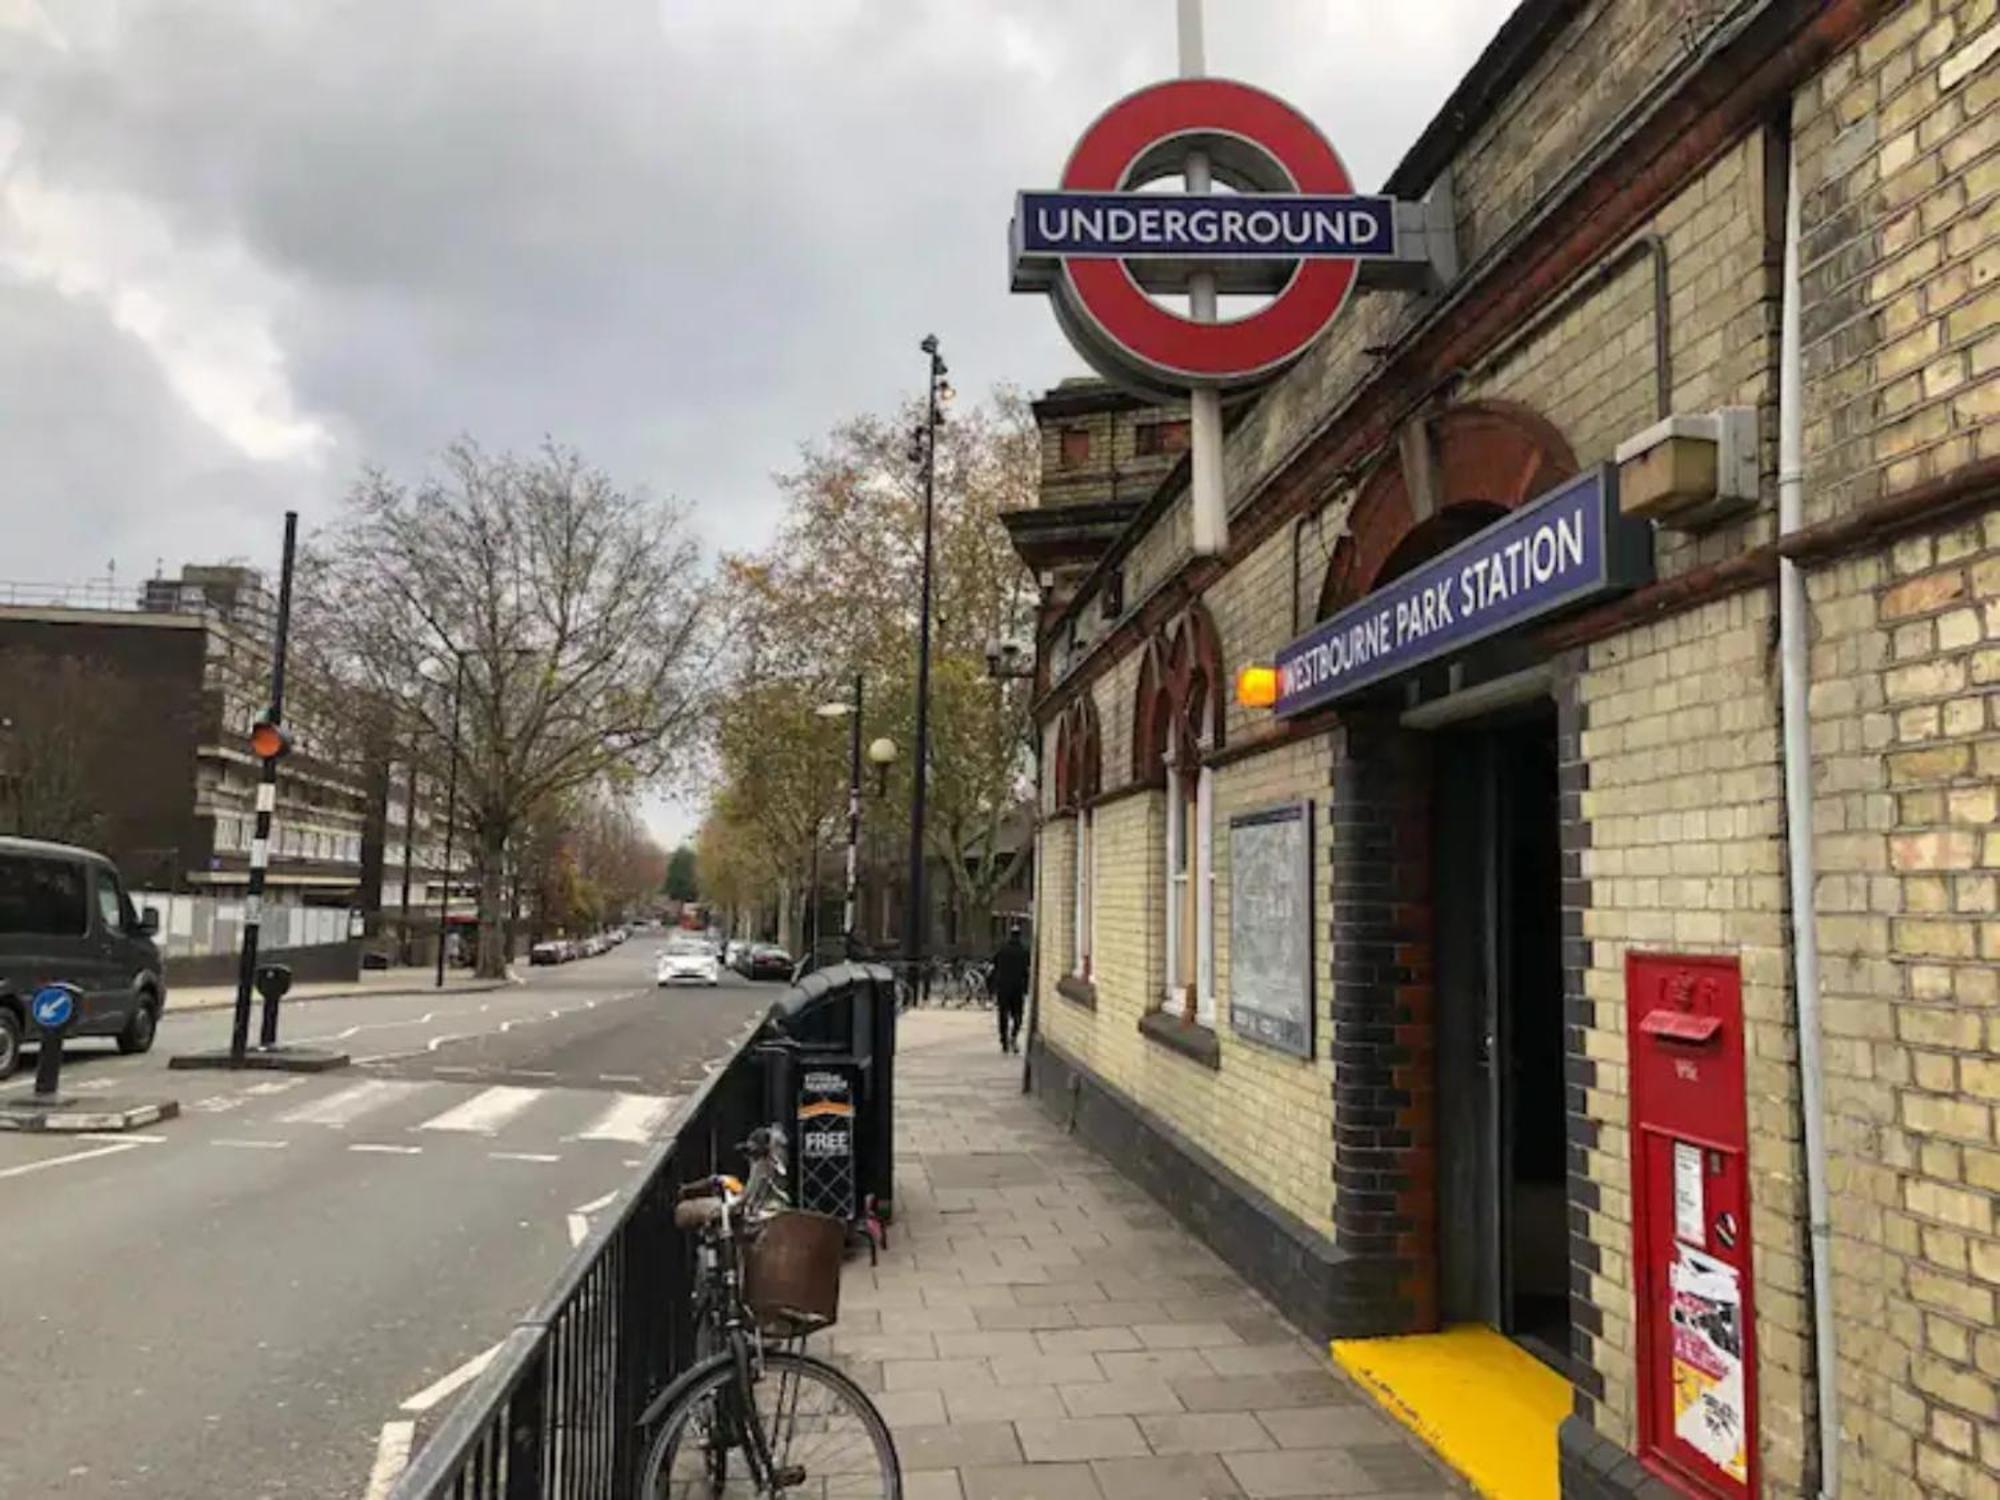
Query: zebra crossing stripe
[[485, 1112], [632, 1118], [349, 1104]]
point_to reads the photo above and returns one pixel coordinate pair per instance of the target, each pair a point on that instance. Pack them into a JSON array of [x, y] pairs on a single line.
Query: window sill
[[1188, 1038], [1077, 990]]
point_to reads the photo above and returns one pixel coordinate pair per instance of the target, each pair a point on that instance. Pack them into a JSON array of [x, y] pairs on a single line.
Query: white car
[[688, 961]]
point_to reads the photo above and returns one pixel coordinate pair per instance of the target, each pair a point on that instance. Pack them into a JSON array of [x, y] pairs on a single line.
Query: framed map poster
[[1271, 927]]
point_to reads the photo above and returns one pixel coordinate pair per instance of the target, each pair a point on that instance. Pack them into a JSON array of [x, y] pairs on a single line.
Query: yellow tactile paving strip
[[1486, 1407]]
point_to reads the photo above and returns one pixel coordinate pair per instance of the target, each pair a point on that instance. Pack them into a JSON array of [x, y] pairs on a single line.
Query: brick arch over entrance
[[1486, 458]]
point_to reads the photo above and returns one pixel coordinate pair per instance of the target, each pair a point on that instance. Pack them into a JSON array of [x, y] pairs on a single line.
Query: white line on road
[[632, 1119], [450, 1036], [465, 1374], [272, 1086], [242, 1145], [596, 1203], [121, 1135], [349, 1104], [579, 1230], [385, 1150], [63, 1161], [540, 1156], [392, 1456], [485, 1112], [619, 1078]]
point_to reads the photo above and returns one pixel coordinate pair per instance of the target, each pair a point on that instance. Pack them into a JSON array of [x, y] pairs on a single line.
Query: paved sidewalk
[[1041, 1330], [381, 982]]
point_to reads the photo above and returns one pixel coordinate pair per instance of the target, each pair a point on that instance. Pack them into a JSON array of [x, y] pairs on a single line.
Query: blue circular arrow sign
[[53, 1006]]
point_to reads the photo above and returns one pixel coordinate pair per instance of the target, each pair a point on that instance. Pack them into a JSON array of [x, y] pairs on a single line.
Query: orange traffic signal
[[268, 741]]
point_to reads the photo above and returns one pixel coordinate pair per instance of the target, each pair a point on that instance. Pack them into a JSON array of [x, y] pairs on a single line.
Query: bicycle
[[766, 1275]]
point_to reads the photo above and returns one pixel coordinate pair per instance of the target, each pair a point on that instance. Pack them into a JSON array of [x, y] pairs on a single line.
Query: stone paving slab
[[1039, 1329]]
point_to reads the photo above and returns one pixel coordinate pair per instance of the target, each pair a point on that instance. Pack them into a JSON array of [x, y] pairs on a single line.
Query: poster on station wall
[[1710, 1412], [1270, 927]]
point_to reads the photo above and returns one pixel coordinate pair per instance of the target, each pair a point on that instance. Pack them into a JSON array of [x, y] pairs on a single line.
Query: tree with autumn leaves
[[837, 593]]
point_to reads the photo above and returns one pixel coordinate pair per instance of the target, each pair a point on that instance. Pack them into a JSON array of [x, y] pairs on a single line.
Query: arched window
[[1079, 779], [1177, 726]]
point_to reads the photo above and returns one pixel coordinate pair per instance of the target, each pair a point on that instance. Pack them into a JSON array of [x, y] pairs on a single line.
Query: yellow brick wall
[[1899, 160], [1906, 724], [1686, 854]]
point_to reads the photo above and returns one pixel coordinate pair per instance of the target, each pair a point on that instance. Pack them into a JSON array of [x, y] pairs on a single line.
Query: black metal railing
[[555, 1416]]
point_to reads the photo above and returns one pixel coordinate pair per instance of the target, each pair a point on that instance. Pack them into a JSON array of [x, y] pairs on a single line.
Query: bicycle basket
[[791, 1272]]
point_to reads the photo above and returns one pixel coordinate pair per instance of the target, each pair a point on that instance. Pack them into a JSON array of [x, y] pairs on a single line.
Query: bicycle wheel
[[823, 1434]]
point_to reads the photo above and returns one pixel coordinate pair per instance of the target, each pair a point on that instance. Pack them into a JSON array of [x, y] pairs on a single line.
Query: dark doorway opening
[[1502, 1222]]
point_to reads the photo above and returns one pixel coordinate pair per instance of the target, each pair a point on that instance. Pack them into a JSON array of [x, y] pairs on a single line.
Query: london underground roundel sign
[[1293, 228]]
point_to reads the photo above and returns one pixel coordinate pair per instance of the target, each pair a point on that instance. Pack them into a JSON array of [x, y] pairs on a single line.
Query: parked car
[[735, 953], [548, 951], [688, 961], [65, 918], [768, 961]]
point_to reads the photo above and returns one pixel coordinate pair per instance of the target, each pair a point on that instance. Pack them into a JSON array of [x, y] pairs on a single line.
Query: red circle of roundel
[[1166, 342]]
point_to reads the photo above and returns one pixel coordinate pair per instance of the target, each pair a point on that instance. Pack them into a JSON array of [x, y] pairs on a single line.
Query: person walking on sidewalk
[[1010, 988]]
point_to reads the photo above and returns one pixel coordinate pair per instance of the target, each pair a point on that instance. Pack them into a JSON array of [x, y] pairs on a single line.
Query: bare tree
[[556, 619]]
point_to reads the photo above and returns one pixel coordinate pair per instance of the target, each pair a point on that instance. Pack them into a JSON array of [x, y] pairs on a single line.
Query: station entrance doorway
[[1497, 949]]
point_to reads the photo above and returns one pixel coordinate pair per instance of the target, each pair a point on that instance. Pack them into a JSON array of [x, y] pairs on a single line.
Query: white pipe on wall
[[1794, 654]]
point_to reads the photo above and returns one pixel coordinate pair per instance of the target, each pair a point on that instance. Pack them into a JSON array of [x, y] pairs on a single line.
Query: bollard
[[54, 1011], [274, 982]]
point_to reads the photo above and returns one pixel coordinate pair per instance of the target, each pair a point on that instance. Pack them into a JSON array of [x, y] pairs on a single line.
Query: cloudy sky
[[247, 246]]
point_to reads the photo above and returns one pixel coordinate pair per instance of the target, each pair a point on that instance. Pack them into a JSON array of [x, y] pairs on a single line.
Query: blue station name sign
[[1564, 549], [1138, 226]]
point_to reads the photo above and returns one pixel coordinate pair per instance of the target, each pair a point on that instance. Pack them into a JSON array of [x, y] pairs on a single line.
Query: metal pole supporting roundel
[[850, 902], [1207, 511]]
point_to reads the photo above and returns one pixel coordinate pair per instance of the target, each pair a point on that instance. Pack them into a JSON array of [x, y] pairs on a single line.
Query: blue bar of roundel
[[1391, 630], [1233, 226]]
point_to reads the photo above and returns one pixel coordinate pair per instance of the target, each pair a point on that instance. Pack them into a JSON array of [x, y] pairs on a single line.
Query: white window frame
[[1174, 878], [1083, 880], [1203, 873]]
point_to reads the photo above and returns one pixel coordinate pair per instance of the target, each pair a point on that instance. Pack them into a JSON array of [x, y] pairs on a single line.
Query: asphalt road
[[235, 1303]]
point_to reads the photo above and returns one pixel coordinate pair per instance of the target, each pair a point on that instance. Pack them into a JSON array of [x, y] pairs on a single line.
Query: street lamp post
[[913, 907], [450, 816]]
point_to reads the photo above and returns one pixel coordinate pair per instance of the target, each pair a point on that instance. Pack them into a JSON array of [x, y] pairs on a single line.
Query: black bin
[[830, 1082]]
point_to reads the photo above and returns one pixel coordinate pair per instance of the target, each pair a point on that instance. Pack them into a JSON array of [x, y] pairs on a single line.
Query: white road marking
[[121, 1135], [392, 1456], [438, 1041], [538, 1156], [444, 1386], [62, 1161], [485, 1112], [273, 1086], [632, 1119], [216, 1104], [386, 1150], [619, 1078], [579, 1230], [349, 1104], [243, 1145], [596, 1203]]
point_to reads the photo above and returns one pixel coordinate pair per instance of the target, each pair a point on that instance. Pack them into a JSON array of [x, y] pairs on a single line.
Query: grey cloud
[[683, 236]]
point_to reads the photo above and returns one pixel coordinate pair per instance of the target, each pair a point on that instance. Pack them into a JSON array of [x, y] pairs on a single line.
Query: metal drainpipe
[[1793, 649]]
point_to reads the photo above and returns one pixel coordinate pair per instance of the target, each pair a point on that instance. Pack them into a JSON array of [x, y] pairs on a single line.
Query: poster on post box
[[1709, 1402]]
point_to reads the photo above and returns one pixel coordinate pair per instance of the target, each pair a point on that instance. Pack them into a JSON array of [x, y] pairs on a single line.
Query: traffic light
[[268, 740]]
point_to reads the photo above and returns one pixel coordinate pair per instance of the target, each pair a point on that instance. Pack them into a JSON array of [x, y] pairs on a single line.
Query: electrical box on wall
[[1691, 470], [1696, 1302]]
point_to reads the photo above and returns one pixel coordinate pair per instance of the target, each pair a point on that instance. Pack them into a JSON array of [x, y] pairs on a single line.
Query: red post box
[[1691, 1223]]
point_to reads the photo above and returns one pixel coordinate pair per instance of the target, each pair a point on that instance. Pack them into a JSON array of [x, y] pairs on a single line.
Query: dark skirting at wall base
[[1310, 1280], [1595, 1468]]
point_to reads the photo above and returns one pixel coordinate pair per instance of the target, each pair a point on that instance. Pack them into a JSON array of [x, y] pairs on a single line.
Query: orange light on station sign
[[1257, 687]]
